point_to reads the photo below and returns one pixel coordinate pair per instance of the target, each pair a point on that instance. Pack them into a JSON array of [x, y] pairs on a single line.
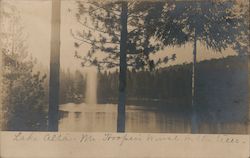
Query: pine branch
[[94, 29], [101, 7], [79, 39], [95, 41], [131, 17]]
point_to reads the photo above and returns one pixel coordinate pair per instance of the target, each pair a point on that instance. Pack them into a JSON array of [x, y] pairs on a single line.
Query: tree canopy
[[23, 101], [101, 30], [215, 24]]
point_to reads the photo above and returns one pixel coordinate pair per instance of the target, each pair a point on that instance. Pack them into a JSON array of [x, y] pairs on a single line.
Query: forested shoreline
[[171, 84], [127, 43]]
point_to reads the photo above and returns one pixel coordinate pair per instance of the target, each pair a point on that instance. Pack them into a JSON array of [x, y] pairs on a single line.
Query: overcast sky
[[36, 18]]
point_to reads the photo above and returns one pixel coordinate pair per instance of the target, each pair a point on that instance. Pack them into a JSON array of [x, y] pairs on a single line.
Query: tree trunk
[[194, 125], [123, 68], [54, 67], [248, 121], [1, 78]]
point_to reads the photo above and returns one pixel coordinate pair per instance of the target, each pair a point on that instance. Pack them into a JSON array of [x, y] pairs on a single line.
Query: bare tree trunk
[[248, 120], [54, 67], [123, 68], [194, 125], [1, 79]]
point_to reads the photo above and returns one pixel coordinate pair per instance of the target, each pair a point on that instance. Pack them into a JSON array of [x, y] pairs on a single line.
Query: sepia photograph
[[136, 66]]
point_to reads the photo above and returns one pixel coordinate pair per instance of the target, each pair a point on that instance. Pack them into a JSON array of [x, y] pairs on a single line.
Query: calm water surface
[[103, 117]]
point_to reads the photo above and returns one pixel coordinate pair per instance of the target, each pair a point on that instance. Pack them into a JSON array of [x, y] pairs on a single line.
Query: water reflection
[[102, 118], [145, 119]]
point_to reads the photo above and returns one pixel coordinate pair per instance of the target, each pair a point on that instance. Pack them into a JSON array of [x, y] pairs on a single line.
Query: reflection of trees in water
[[164, 84], [217, 76], [138, 119]]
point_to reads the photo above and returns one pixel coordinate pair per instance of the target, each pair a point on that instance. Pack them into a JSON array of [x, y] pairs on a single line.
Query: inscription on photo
[[124, 138]]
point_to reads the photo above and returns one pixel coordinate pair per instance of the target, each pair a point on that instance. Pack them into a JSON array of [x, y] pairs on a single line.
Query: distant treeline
[[72, 87], [221, 85], [170, 84], [221, 89]]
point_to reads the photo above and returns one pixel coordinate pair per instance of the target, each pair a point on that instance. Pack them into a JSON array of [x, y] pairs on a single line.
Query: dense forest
[[171, 85], [31, 96], [72, 86]]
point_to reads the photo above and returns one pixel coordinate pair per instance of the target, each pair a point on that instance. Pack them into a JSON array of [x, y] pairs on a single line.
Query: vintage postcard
[[133, 78]]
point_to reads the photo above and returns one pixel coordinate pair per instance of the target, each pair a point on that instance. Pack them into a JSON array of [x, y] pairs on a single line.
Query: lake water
[[103, 117], [145, 119]]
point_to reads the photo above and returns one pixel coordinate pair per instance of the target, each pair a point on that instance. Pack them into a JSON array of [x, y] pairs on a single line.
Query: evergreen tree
[[24, 100], [79, 86], [121, 30], [215, 24]]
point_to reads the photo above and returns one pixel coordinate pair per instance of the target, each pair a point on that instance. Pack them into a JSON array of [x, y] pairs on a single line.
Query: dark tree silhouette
[[215, 24], [102, 31], [123, 68], [54, 66], [121, 30]]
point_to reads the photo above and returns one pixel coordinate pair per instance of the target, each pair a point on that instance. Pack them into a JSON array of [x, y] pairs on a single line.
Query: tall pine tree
[[119, 33], [215, 24]]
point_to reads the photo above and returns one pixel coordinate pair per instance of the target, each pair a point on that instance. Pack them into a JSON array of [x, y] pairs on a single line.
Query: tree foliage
[[216, 24], [101, 30], [72, 87], [23, 103]]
